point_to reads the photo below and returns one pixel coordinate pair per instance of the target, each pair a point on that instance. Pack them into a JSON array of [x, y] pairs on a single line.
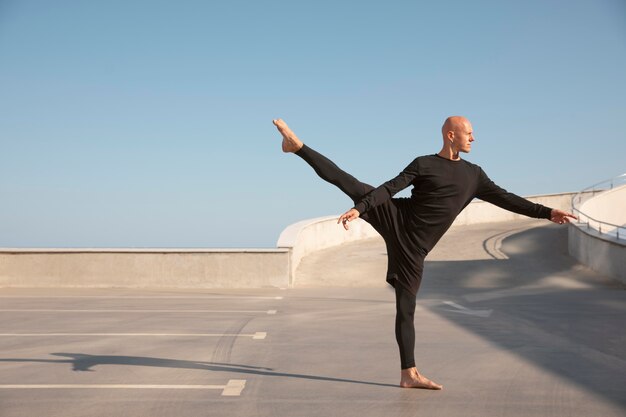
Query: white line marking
[[546, 285], [465, 310], [232, 388], [7, 310], [256, 336], [110, 386], [148, 297], [512, 292]]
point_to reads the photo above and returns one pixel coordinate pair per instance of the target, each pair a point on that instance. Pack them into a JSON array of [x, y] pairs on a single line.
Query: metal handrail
[[602, 227]]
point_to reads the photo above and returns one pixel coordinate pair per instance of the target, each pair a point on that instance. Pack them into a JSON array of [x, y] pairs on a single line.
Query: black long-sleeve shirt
[[441, 189]]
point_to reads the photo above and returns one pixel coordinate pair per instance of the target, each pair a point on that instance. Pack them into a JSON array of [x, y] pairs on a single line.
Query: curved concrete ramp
[[484, 256]]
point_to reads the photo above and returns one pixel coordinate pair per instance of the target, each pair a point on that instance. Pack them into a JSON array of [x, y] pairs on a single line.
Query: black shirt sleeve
[[389, 189], [490, 192]]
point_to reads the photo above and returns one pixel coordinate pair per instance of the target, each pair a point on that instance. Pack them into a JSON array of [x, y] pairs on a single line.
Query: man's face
[[463, 137]]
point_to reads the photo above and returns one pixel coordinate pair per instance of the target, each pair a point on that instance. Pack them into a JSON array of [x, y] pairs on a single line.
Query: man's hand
[[561, 217], [348, 216]]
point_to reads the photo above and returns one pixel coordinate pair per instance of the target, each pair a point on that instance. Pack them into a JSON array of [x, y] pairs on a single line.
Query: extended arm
[[381, 194], [490, 192]]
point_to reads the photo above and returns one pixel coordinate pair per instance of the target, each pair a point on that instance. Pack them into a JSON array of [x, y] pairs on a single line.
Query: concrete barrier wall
[[208, 268], [604, 255], [312, 235], [603, 252], [153, 268], [481, 212]]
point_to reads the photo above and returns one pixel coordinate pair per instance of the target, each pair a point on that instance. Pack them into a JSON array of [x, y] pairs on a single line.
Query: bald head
[[457, 136], [454, 124]]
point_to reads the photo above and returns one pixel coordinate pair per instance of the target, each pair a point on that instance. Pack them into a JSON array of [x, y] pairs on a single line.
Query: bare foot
[[410, 378], [291, 143]]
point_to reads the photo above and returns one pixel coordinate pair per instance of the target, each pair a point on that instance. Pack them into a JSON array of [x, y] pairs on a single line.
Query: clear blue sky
[[148, 123]]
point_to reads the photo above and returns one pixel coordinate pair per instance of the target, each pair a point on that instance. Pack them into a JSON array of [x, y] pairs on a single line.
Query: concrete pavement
[[506, 321]]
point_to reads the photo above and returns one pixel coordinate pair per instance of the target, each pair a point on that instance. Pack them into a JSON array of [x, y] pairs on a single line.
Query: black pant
[[378, 217]]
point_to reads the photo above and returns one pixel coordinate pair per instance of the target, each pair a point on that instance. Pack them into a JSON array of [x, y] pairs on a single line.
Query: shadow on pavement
[[547, 309], [84, 362]]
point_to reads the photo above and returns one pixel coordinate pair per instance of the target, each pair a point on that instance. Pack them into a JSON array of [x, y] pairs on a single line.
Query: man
[[443, 184]]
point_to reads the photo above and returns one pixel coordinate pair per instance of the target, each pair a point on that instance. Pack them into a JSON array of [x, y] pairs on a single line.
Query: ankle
[[410, 371]]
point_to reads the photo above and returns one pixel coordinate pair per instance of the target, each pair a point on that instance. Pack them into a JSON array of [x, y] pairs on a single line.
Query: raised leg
[[324, 167]]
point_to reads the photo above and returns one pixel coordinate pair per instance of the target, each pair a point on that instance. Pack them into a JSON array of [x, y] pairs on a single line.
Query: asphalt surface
[[506, 321]]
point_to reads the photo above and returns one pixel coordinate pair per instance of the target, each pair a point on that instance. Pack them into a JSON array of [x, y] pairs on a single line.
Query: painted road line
[[464, 310], [234, 387], [148, 297], [255, 336], [509, 292], [38, 310], [544, 286]]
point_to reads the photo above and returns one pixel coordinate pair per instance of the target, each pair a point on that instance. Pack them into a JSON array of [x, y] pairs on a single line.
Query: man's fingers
[[347, 217], [562, 217], [344, 220]]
